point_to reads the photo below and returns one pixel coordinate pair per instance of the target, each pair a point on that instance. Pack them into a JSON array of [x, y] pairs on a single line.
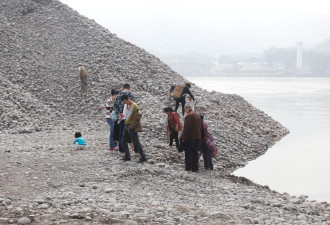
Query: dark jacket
[[192, 127], [118, 105], [186, 91]]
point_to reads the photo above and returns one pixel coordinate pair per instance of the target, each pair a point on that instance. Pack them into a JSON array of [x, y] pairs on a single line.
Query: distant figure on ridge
[[82, 74]]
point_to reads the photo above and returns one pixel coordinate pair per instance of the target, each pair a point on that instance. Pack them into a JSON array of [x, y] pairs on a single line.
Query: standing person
[[131, 129], [191, 134], [108, 109], [173, 125], [182, 99], [191, 102], [118, 106], [82, 74], [206, 151]]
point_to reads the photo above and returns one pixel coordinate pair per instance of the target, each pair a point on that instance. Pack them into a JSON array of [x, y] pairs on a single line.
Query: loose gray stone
[[131, 222], [24, 220]]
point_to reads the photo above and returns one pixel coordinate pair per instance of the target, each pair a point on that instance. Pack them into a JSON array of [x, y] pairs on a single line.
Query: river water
[[299, 164]]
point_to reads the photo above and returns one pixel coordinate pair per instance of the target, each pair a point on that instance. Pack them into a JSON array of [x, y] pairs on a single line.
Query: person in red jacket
[[173, 126]]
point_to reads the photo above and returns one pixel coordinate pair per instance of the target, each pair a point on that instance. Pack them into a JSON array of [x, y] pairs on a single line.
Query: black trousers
[[174, 135], [183, 103], [206, 156], [191, 155], [130, 134]]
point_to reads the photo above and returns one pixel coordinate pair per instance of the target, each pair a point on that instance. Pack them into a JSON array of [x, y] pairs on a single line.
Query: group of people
[[124, 119], [195, 138]]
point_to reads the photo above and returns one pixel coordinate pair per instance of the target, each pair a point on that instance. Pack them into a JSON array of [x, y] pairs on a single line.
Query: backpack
[[209, 141], [177, 91]]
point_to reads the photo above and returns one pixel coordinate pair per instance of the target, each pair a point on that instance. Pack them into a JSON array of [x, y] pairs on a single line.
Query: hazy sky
[[210, 26]]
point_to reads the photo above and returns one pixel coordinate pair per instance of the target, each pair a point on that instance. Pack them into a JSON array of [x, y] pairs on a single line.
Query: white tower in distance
[[299, 55]]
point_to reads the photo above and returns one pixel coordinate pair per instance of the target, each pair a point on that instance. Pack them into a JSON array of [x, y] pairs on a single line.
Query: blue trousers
[[111, 124], [121, 132]]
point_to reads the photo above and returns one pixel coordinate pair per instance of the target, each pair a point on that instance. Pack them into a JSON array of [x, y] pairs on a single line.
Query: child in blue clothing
[[79, 142]]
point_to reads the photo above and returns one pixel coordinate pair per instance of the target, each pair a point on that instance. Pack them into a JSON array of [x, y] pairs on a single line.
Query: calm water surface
[[300, 162]]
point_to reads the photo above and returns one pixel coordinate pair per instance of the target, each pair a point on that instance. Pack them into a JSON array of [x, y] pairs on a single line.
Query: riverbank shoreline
[[48, 182]]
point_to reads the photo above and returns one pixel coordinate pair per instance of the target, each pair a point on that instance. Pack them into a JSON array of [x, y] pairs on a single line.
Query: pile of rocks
[[41, 43]]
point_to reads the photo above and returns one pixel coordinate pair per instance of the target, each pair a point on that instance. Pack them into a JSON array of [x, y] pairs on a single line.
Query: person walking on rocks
[[173, 125], [182, 99], [118, 106], [82, 74], [132, 126], [204, 148], [108, 110], [191, 134]]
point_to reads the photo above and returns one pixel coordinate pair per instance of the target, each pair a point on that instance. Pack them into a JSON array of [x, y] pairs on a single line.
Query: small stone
[[160, 164], [295, 200], [108, 190], [43, 206], [24, 220], [88, 218], [40, 200], [3, 219], [131, 222]]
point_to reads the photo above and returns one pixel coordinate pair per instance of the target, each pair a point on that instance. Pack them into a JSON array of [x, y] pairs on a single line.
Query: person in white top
[[191, 103], [126, 113], [108, 109]]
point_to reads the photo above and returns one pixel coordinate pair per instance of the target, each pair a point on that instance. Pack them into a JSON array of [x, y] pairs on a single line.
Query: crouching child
[[79, 142]]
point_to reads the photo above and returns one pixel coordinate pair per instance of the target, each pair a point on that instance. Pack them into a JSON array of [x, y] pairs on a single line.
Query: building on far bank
[[299, 55], [301, 69]]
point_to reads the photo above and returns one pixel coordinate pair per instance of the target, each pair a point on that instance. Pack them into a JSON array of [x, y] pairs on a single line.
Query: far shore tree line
[[317, 60]]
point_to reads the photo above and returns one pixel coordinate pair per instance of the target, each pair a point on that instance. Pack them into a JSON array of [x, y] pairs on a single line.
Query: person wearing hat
[[82, 74]]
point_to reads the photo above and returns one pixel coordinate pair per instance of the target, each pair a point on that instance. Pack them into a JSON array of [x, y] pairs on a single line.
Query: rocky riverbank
[[43, 181]]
